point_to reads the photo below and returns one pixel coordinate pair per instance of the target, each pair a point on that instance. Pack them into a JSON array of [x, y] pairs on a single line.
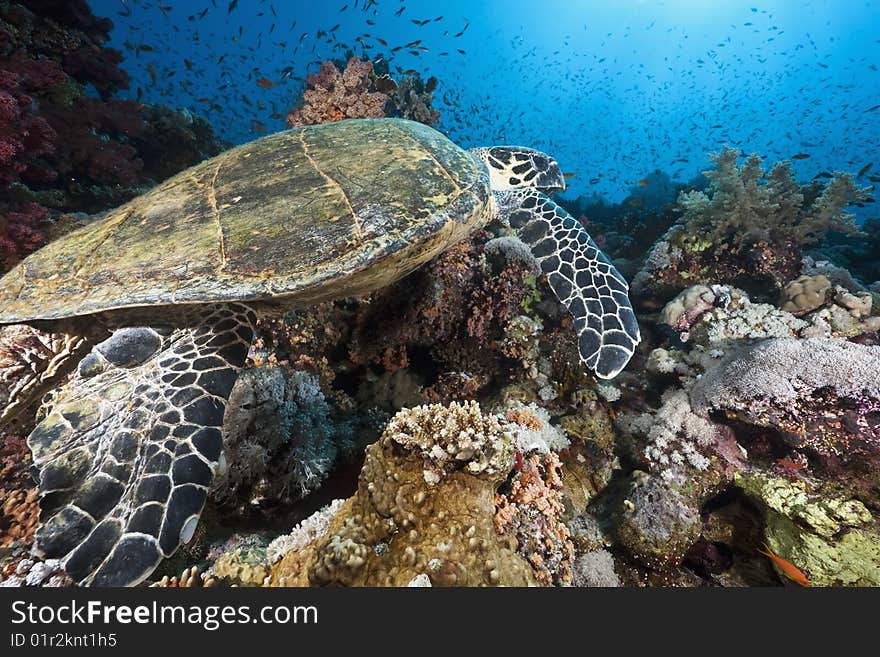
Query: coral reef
[[531, 510], [806, 293], [654, 522], [425, 505], [281, 438], [307, 531], [190, 578], [749, 228], [355, 90], [247, 564], [595, 569], [27, 571], [833, 540], [52, 53], [823, 395], [413, 99], [19, 505], [428, 504]]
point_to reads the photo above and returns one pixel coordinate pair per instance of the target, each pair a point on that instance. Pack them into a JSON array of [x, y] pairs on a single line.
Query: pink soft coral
[[332, 95]]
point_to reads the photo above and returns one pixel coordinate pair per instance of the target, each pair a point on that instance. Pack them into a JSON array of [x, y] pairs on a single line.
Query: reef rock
[[834, 541]]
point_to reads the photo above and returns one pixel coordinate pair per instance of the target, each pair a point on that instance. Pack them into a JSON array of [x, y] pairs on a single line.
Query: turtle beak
[[551, 180]]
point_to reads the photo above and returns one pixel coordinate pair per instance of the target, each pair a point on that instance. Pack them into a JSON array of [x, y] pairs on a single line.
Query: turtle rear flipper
[[582, 277], [127, 454]]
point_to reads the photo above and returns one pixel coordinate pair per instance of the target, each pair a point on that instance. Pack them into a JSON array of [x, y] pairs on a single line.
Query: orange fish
[[266, 84], [568, 175], [788, 463], [643, 182], [788, 569]]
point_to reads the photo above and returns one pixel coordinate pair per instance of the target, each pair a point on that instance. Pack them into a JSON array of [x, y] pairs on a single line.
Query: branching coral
[[531, 510], [332, 95]]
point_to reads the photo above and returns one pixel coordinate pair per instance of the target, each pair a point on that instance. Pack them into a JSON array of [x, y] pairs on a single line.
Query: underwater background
[[614, 91], [444, 431]]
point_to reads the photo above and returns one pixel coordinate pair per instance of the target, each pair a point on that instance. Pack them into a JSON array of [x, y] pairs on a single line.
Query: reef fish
[[788, 569]]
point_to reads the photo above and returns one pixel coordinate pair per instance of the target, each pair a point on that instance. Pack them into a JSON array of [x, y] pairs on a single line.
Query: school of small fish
[[604, 101]]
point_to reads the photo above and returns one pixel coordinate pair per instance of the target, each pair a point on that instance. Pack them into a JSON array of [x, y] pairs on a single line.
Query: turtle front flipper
[[127, 454], [581, 275]]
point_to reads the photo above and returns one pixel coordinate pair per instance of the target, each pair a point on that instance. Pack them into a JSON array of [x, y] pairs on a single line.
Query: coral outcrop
[[428, 505], [833, 540], [61, 148]]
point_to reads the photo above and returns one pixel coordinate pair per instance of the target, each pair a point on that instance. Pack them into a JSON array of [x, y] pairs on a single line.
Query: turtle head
[[515, 167]]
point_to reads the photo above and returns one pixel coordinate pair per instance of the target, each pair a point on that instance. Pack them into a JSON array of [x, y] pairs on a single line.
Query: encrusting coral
[[833, 540]]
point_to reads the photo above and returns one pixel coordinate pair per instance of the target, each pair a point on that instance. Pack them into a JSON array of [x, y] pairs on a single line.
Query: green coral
[[746, 203], [533, 298], [832, 539]]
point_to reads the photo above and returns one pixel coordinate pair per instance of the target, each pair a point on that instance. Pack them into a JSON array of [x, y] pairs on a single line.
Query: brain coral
[[424, 506]]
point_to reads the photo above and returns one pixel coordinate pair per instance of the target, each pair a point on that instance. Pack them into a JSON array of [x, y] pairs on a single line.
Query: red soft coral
[[20, 232]]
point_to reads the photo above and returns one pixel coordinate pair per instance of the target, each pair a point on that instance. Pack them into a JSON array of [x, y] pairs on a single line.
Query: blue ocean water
[[614, 90]]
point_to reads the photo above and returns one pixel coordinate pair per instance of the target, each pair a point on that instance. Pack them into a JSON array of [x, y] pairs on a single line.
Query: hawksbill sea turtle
[[158, 301]]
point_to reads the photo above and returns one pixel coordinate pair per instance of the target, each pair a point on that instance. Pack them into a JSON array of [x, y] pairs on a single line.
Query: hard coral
[[332, 95], [457, 306], [424, 506], [822, 394], [834, 540]]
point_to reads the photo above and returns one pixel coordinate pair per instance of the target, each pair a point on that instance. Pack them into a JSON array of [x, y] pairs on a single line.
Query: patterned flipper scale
[[127, 454], [582, 277]]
